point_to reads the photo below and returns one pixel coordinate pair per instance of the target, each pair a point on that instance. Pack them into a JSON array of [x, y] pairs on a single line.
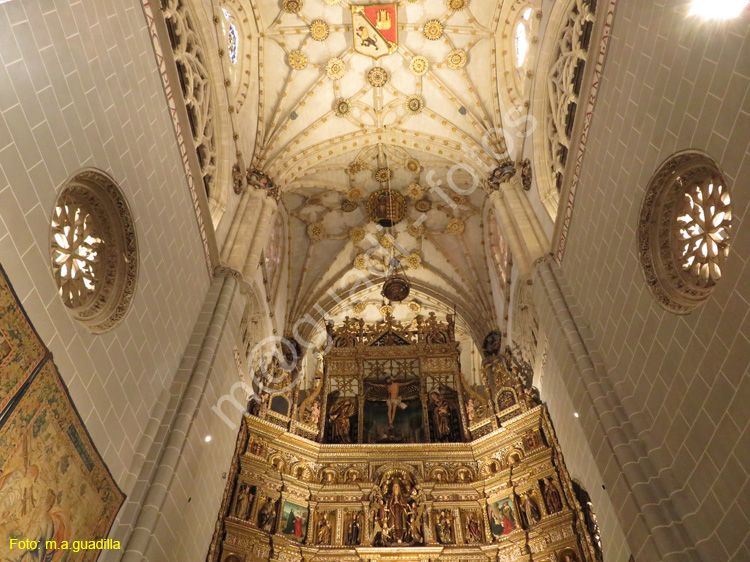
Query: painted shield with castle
[[375, 29]]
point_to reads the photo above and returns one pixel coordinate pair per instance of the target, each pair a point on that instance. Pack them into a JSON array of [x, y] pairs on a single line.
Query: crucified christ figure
[[393, 400]]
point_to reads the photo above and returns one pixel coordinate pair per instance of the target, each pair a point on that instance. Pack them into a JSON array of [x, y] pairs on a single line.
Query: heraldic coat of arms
[[375, 29]]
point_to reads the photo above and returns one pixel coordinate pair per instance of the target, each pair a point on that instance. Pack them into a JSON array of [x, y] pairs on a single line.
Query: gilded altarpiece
[[443, 493]]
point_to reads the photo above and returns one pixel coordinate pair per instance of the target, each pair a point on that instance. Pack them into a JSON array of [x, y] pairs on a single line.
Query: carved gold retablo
[[375, 29]]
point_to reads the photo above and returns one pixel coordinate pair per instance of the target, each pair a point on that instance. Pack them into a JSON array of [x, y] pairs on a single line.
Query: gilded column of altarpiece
[[422, 467]]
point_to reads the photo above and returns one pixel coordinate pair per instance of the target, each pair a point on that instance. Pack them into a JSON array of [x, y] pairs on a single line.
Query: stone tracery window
[[522, 38], [564, 81], [232, 43], [684, 234], [93, 250], [192, 68]]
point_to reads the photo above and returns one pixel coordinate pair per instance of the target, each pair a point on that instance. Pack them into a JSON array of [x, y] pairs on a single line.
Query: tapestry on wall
[[54, 485], [21, 350]]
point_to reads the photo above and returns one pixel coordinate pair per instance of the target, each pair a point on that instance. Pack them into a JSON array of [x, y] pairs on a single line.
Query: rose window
[[685, 230], [93, 250], [76, 252], [704, 229]]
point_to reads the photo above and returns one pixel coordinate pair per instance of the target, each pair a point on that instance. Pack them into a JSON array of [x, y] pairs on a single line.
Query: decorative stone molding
[[684, 232], [94, 250], [192, 68], [563, 58]]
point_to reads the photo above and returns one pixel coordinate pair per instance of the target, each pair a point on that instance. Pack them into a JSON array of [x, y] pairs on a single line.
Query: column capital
[[258, 179]]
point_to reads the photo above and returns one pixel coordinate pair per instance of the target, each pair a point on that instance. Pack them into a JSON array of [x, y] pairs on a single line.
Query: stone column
[[180, 421], [655, 514], [509, 231], [260, 237]]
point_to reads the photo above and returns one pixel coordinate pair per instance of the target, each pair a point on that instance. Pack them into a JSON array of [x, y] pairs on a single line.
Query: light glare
[[208, 439], [717, 9]]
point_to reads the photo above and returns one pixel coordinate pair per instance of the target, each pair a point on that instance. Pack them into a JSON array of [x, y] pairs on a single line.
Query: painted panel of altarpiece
[[21, 350]]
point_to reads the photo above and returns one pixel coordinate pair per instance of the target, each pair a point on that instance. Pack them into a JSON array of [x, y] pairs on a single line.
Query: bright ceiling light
[[208, 439], [717, 9]]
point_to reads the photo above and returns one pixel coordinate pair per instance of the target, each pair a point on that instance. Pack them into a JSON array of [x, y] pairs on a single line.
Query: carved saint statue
[[444, 527], [325, 531], [243, 502], [473, 531], [552, 497], [352, 533], [340, 418], [441, 416], [266, 515], [530, 509], [397, 509]]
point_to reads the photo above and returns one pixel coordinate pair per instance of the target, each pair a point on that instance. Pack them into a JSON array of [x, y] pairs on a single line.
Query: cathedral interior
[[343, 280]]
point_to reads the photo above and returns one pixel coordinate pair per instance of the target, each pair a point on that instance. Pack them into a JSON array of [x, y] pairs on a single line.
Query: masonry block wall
[[79, 87], [671, 82]]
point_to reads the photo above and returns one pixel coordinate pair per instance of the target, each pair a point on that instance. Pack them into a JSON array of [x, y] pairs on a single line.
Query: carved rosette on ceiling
[[413, 261], [342, 107], [348, 206], [414, 104], [433, 30], [455, 227], [292, 6], [456, 59], [416, 230], [377, 77], [319, 30], [316, 231], [383, 174], [419, 65], [386, 241], [423, 205], [414, 190], [456, 5], [298, 60], [354, 194], [357, 234], [335, 68]]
